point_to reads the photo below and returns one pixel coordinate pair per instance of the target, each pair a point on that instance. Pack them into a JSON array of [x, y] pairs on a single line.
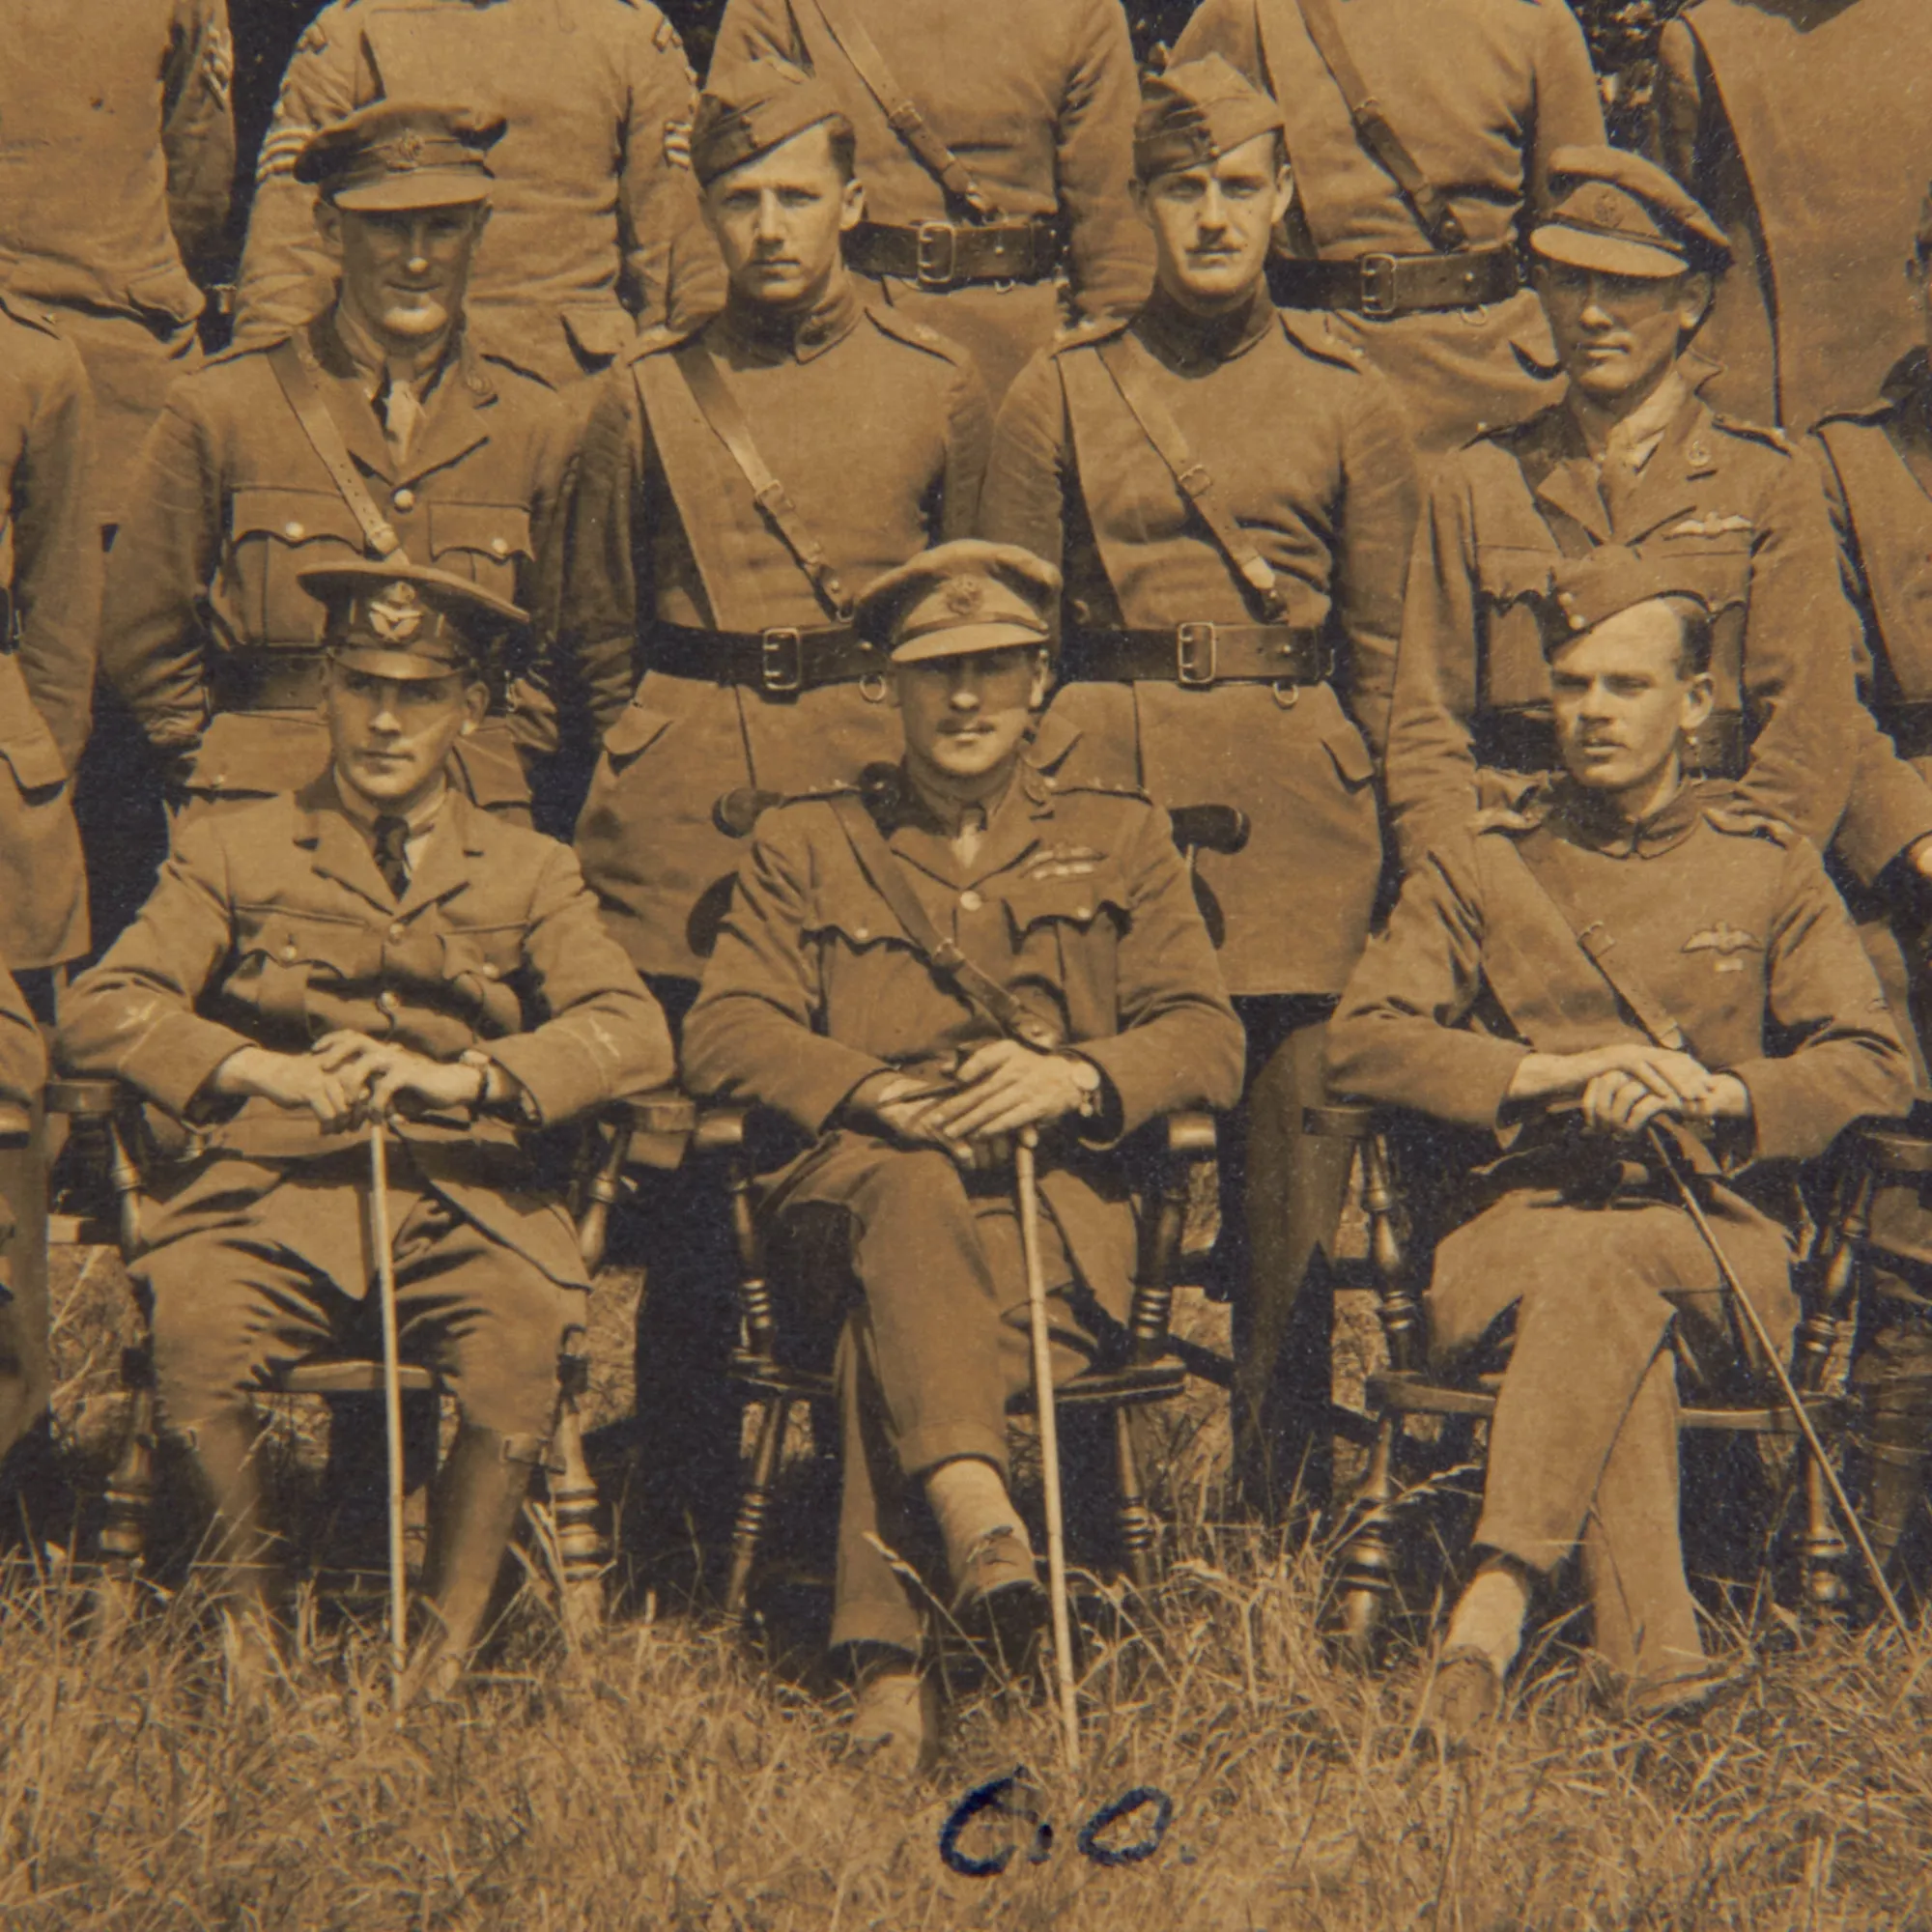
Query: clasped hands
[[1621, 1088], [997, 1089], [345, 1077]]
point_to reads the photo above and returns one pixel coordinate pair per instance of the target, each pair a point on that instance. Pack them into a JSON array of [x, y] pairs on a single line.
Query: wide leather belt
[[267, 680], [1910, 729], [1526, 741], [780, 662], [1386, 285], [950, 254], [1198, 654]]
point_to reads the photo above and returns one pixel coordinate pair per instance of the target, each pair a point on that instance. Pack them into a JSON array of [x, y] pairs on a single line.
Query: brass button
[[388, 1001], [970, 901], [405, 499], [499, 546], [861, 932], [1083, 912], [489, 971], [398, 931], [294, 533], [290, 951]]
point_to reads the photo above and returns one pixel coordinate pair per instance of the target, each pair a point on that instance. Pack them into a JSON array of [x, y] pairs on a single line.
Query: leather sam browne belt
[[1200, 654], [1526, 741], [950, 254], [780, 662], [1387, 285]]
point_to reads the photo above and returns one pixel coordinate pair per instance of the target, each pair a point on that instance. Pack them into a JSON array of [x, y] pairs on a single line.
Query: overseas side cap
[[402, 154], [957, 598], [1585, 590], [1623, 215], [752, 110], [1192, 114], [409, 622]]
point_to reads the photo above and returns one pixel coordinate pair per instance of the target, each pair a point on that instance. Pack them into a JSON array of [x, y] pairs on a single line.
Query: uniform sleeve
[[1399, 1036], [1376, 529], [754, 1033], [56, 583], [198, 128], [1111, 253], [1432, 762], [286, 277], [153, 639], [1891, 806], [1845, 1060], [1030, 468], [1179, 1043], [1677, 104], [1569, 106], [969, 431], [1800, 643], [533, 719], [24, 1054], [133, 1018], [601, 1036], [591, 573], [672, 270]]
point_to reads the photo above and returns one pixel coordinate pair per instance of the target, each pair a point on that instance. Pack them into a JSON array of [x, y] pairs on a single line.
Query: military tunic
[[117, 149], [207, 633], [1036, 97], [1768, 114], [877, 428], [1471, 686], [593, 232], [1736, 930], [1481, 92], [1077, 903], [271, 926]]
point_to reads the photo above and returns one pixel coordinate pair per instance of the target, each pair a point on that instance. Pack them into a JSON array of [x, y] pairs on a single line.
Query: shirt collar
[[781, 335], [934, 812], [1181, 337], [1636, 440], [358, 814], [376, 368]]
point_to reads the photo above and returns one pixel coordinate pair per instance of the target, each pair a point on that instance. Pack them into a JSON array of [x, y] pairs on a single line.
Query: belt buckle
[[782, 660], [1378, 290], [936, 265], [1194, 644]]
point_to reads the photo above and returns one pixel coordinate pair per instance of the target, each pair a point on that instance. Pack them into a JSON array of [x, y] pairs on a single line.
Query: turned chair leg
[[1367, 1560], [754, 1506], [1139, 1527], [583, 1557], [128, 1498]]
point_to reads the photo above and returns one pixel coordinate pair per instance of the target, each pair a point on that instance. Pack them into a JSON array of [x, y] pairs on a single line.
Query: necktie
[[392, 860], [402, 412]]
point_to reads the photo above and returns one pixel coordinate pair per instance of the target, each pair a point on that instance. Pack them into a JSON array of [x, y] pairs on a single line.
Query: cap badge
[[1607, 208], [395, 616], [409, 149], [964, 596]]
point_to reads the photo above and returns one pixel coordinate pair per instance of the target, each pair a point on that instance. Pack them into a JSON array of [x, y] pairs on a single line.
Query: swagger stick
[[1840, 1501], [392, 1402], [1027, 1179]]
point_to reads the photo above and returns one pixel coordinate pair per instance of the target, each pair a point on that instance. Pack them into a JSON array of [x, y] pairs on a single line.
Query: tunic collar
[[1184, 339], [770, 335], [1587, 820]]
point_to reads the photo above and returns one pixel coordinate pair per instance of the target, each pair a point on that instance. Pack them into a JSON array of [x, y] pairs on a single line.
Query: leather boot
[[472, 1511], [247, 1567]]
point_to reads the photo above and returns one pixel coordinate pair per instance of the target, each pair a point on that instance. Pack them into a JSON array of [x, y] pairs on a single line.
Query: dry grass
[[662, 1778]]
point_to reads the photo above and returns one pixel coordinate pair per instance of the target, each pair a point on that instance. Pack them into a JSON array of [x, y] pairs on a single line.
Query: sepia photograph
[[965, 964]]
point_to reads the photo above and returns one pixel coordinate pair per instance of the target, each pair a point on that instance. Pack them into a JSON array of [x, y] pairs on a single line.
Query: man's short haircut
[[844, 140], [1695, 626]]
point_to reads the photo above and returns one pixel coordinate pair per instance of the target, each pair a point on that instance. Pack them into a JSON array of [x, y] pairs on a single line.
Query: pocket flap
[[342, 949], [25, 742], [600, 334], [294, 517], [1346, 745], [1508, 575], [500, 531], [638, 726], [167, 292], [482, 952], [256, 751], [1079, 901]]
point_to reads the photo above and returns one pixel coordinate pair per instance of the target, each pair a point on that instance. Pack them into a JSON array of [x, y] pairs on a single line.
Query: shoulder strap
[[1372, 129], [294, 367], [1126, 362], [984, 994], [1542, 859], [719, 408], [901, 114]]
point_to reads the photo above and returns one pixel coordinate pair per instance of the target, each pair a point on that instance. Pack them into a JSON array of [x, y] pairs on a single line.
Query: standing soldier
[[736, 489], [596, 233], [1767, 111], [1234, 498], [1418, 136], [378, 428], [1633, 455], [995, 143], [50, 599]]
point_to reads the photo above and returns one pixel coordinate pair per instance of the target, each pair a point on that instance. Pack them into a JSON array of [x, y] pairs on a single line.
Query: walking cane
[[1028, 1180], [1839, 1501], [392, 1402]]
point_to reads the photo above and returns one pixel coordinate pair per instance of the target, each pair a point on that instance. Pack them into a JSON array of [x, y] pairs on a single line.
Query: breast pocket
[[273, 536], [1711, 553], [1512, 582], [488, 543], [285, 955], [479, 969]]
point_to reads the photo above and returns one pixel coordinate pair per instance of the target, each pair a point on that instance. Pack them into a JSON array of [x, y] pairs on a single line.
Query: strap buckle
[[1194, 654], [936, 265], [782, 660], [1378, 290]]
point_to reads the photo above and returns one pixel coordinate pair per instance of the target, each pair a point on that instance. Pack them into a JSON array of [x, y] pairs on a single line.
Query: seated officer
[[1481, 1008], [378, 429], [370, 944], [1074, 915]]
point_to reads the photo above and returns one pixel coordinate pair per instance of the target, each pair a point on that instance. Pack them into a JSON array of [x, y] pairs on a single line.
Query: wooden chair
[[1366, 1562], [108, 1117]]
